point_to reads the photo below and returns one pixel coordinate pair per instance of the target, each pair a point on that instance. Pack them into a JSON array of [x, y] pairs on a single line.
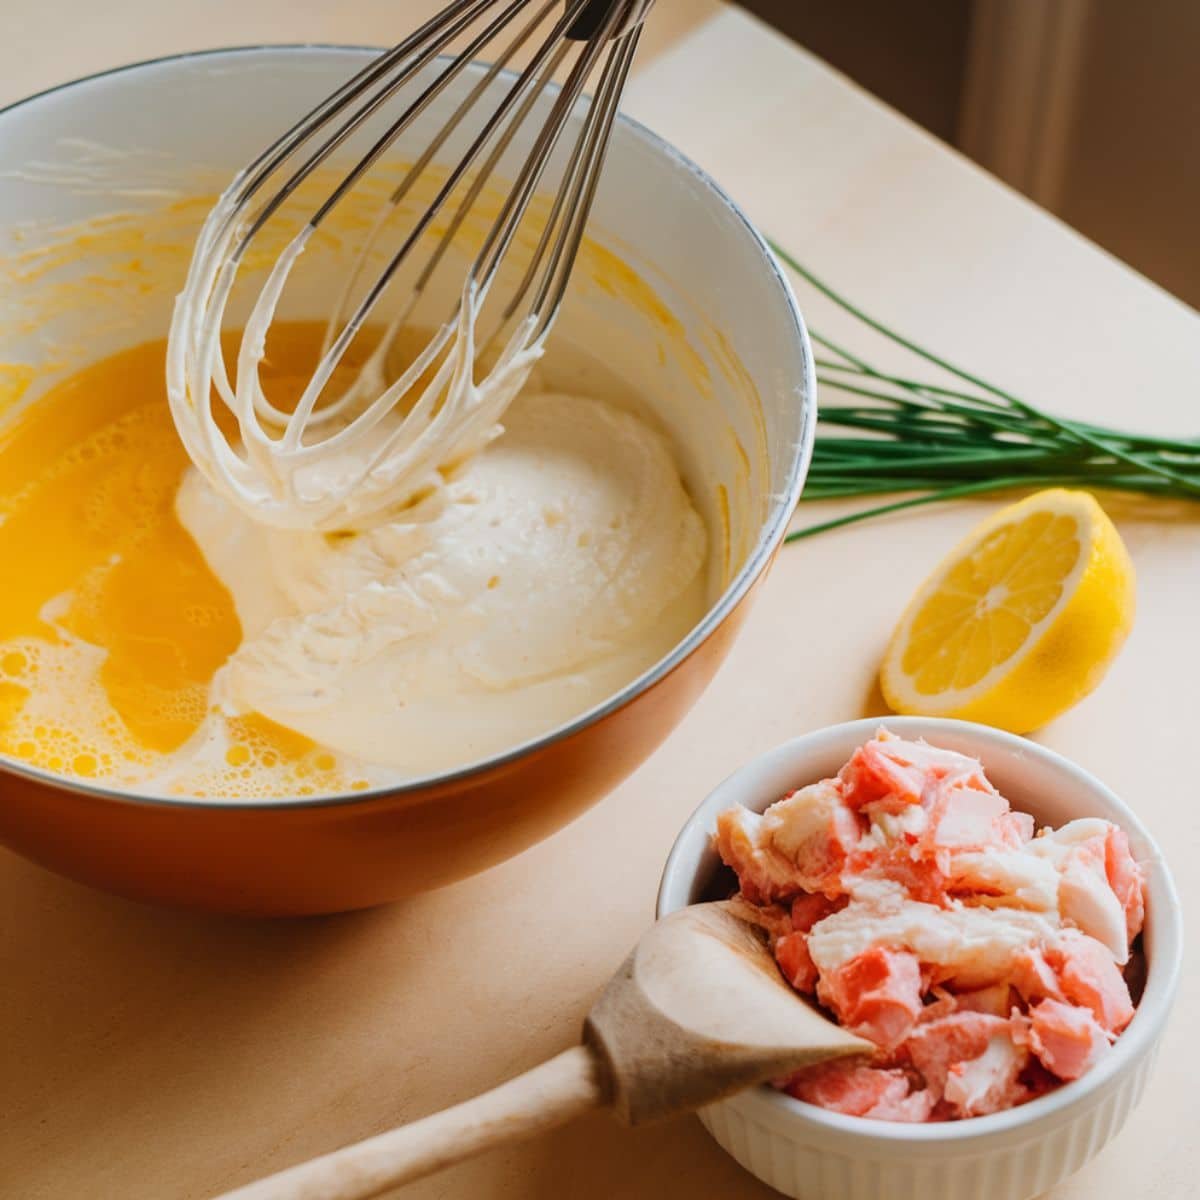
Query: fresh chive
[[932, 442]]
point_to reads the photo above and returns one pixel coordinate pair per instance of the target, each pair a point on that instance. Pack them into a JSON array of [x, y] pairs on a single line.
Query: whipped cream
[[334, 462], [541, 576]]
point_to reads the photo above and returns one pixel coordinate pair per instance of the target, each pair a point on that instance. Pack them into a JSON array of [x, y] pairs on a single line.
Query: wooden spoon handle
[[549, 1095]]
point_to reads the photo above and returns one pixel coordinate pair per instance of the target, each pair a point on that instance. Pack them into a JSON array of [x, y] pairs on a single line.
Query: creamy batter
[[547, 572], [418, 585]]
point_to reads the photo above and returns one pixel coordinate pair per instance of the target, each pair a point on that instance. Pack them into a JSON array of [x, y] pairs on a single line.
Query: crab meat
[[876, 994], [1067, 1040], [908, 898], [1089, 978], [855, 1087], [799, 844], [971, 1061]]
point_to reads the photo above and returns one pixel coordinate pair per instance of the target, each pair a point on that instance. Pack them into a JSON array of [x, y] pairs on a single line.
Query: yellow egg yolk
[[97, 564]]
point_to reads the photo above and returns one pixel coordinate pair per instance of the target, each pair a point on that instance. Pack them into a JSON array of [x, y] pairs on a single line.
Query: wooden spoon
[[697, 1011]]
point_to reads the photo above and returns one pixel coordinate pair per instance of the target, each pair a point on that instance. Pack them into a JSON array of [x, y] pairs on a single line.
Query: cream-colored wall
[[124, 31], [1089, 107], [1130, 174], [1092, 108]]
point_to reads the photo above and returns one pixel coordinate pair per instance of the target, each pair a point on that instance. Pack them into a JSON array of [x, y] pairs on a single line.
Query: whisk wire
[[584, 181], [520, 86], [463, 59], [421, 59], [485, 172], [417, 170], [500, 236], [403, 439], [300, 415], [260, 168]]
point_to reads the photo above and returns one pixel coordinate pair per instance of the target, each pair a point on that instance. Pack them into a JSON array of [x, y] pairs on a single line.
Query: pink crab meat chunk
[[996, 1001], [1033, 977], [982, 956], [937, 1046], [970, 1060], [791, 953], [877, 994], [989, 1083], [799, 845], [1066, 1039], [1078, 851], [1125, 879], [860, 1090], [1090, 979]]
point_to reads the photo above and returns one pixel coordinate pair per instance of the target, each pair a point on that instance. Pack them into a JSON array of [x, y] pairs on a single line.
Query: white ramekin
[[813, 1154]]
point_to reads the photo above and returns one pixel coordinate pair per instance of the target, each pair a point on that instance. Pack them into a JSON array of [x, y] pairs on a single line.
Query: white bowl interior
[[106, 182], [1034, 779]]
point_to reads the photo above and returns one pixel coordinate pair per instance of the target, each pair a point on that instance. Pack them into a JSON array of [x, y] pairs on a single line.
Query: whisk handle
[[596, 11]]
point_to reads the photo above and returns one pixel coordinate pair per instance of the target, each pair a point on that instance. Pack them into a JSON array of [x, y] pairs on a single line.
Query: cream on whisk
[[458, 208], [344, 462]]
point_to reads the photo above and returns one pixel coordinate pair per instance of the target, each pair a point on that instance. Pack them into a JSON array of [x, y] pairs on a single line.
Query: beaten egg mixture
[[154, 639]]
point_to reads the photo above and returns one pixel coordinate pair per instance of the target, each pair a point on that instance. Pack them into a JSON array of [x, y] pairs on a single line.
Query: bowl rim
[[1164, 913], [771, 532]]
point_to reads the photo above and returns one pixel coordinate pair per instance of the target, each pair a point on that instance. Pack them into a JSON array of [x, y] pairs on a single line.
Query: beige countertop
[[152, 1055]]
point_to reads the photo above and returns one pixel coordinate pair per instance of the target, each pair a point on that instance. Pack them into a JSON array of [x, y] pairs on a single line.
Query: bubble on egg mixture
[[228, 758], [35, 675], [251, 758]]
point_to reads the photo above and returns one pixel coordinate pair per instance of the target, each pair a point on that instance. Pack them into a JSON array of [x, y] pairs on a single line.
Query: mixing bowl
[[106, 181], [812, 1153]]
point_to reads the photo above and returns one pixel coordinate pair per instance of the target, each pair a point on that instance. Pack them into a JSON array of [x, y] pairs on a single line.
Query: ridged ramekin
[[812, 1154]]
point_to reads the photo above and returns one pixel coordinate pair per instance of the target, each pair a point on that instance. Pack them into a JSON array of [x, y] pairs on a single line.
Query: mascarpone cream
[[547, 572]]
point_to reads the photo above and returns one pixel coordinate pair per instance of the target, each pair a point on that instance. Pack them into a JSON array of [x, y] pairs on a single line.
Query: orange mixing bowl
[[705, 317]]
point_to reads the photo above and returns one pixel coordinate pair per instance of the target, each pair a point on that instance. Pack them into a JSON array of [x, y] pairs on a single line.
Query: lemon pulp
[[1020, 621]]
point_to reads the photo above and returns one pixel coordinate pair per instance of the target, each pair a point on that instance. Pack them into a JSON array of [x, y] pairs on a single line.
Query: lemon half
[[1020, 621]]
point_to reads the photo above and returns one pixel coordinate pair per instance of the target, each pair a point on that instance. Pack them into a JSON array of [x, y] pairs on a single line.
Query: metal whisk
[[347, 459]]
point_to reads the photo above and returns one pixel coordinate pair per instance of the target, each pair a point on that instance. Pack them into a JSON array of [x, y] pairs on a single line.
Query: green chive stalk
[[886, 434]]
